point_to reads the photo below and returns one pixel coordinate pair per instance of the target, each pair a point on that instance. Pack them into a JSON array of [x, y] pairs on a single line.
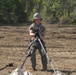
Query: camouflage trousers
[[36, 45]]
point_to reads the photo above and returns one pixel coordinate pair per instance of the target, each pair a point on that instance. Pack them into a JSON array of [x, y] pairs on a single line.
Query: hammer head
[[18, 71], [57, 73], [10, 65]]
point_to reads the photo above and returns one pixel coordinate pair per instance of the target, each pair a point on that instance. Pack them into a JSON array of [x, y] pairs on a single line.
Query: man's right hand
[[37, 34]]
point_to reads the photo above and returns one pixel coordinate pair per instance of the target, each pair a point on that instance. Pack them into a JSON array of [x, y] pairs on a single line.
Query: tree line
[[53, 11]]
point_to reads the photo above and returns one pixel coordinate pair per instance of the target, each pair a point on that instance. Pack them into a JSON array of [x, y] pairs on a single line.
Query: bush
[[73, 18], [68, 20], [64, 20]]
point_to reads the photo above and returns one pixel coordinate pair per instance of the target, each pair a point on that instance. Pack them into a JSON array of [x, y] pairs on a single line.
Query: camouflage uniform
[[37, 45]]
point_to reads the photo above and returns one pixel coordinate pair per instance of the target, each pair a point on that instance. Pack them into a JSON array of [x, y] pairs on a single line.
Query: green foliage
[[64, 20], [73, 18], [13, 11], [36, 0]]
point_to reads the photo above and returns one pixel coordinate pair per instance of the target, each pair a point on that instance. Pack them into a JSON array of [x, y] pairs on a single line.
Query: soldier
[[37, 29]]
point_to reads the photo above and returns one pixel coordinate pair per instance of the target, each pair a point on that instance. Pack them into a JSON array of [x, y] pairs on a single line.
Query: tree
[[13, 11]]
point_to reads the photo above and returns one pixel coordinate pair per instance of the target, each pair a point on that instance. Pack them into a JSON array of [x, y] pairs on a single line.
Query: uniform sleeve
[[31, 28], [43, 31]]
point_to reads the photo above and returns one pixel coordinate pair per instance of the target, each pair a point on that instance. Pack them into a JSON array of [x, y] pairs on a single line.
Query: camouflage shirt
[[40, 27]]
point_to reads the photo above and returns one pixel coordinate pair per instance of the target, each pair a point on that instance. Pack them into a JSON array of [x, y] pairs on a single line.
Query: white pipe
[[44, 51]]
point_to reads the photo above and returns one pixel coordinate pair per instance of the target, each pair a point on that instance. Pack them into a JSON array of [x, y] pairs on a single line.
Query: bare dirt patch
[[60, 43]]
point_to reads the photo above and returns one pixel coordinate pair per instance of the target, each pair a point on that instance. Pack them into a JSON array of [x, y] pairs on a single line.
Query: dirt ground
[[60, 43]]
